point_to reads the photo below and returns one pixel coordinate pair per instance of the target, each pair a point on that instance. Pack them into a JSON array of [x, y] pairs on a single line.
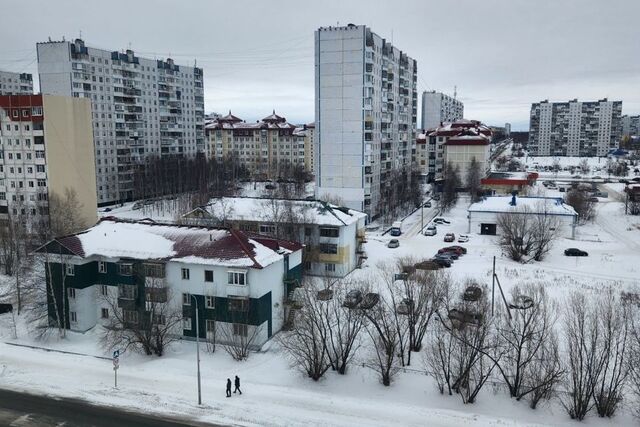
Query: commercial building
[[240, 282], [15, 83], [333, 236], [267, 147], [366, 109], [483, 215], [508, 182], [46, 149], [141, 107], [439, 108], [575, 128], [469, 138], [630, 125]]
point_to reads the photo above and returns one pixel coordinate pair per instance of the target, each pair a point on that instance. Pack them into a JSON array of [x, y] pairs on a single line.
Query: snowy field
[[597, 165], [275, 394]]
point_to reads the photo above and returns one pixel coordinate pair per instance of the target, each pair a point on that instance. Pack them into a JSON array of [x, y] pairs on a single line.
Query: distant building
[[366, 111], [239, 281], [508, 182], [575, 128], [47, 149], [15, 83], [141, 107], [470, 138], [630, 125], [439, 108], [507, 130], [267, 147], [333, 236], [483, 215]]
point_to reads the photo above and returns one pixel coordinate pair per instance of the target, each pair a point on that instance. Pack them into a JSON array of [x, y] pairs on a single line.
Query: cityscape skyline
[[271, 61]]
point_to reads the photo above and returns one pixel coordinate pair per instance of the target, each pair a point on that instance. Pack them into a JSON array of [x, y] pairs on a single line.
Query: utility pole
[[198, 349], [493, 283]]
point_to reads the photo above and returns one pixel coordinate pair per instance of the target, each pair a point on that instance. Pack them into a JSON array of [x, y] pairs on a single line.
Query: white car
[[463, 238], [431, 230]]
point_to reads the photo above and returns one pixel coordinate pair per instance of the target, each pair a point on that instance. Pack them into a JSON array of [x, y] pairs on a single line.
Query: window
[[185, 274], [70, 269], [104, 313], [210, 301], [154, 270], [237, 278], [267, 229], [208, 275], [130, 316], [159, 319], [329, 267], [239, 330], [104, 290], [72, 293], [238, 304], [126, 269], [127, 291], [328, 248], [211, 327], [102, 267], [73, 316], [186, 323], [186, 299], [308, 231], [329, 232]]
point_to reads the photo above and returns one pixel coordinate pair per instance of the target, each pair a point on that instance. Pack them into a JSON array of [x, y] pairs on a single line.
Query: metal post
[[422, 216], [198, 349], [115, 372], [493, 283]]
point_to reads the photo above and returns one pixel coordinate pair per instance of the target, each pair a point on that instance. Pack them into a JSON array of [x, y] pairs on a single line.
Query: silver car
[[431, 230], [393, 243]]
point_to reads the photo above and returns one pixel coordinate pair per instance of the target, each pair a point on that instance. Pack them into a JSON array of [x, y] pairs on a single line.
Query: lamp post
[[198, 349]]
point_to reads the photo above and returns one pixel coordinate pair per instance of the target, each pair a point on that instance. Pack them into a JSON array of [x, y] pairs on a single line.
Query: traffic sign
[[116, 354]]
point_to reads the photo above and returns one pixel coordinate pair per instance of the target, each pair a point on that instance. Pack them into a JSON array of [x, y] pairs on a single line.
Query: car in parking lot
[[441, 262], [393, 243], [449, 237], [440, 221], [451, 249], [575, 252], [447, 255], [462, 250], [463, 238], [427, 204], [431, 230]]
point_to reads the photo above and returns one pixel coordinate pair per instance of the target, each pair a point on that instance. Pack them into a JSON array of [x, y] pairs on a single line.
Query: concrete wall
[[478, 218], [461, 155]]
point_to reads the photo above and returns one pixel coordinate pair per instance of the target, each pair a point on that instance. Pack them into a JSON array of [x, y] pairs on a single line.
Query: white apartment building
[[575, 128], [630, 125], [439, 108], [15, 83], [141, 107]]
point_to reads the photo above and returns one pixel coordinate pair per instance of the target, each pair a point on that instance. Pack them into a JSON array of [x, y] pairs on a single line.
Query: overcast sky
[[501, 54]]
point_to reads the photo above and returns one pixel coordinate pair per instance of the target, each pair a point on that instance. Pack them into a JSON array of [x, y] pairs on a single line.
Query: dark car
[[449, 237], [428, 265], [472, 293], [575, 252], [427, 205], [451, 255], [369, 301], [460, 318], [440, 220], [352, 299], [462, 249], [442, 262], [451, 250]]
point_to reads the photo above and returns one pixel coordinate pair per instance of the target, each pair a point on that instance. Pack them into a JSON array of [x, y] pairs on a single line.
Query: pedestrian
[[228, 387], [237, 383]]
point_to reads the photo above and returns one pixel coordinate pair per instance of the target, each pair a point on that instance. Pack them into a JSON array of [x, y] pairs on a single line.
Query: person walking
[[228, 387], [237, 384]]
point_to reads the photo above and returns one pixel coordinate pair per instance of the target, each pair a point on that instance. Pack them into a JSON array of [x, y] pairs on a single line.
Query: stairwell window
[[72, 293], [237, 277], [186, 323], [208, 276], [210, 302], [102, 267], [70, 268], [185, 274], [104, 313]]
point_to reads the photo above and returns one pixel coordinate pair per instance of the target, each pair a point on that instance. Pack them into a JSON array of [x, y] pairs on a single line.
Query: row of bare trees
[[399, 193]]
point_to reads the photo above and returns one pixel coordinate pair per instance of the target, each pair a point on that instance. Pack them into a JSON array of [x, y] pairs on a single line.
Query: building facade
[[46, 149], [267, 147], [575, 128], [365, 108], [240, 283], [630, 125], [438, 108], [461, 150], [431, 153], [333, 236], [15, 83], [141, 107]]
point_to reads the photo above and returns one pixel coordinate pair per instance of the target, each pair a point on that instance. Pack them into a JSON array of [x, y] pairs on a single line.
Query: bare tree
[[584, 166], [450, 186], [383, 331], [633, 361], [474, 175], [582, 204], [238, 337], [527, 235]]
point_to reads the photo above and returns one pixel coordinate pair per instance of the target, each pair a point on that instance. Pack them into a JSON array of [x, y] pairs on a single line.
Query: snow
[[550, 205]]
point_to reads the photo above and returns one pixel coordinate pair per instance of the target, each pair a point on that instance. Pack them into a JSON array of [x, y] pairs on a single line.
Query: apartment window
[[267, 229], [130, 316], [208, 275], [238, 304], [104, 290], [102, 267], [186, 323], [328, 248], [210, 302], [126, 269], [186, 299], [211, 327], [154, 270], [72, 293], [104, 313], [127, 291], [330, 267], [185, 274], [70, 269], [73, 316], [36, 111], [237, 278], [240, 329], [329, 232]]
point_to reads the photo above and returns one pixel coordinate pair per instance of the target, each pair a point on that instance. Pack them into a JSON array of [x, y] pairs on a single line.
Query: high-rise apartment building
[[575, 128], [46, 149], [15, 83], [141, 107], [438, 108], [366, 108], [630, 125]]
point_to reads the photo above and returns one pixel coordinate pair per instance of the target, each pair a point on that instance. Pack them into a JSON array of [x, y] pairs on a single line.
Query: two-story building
[[239, 280], [333, 235]]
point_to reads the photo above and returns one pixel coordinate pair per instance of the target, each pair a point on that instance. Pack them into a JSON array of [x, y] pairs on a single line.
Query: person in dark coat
[[237, 384], [228, 387]]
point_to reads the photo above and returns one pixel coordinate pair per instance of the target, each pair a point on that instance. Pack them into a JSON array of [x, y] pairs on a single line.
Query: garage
[[489, 229]]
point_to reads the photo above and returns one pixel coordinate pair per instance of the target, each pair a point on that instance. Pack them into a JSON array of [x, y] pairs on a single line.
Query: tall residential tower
[[366, 108], [15, 83], [438, 108], [141, 107]]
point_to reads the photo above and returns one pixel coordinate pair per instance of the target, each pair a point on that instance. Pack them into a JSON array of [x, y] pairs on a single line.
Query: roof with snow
[[468, 137], [258, 209], [148, 240], [460, 126], [534, 205], [231, 122]]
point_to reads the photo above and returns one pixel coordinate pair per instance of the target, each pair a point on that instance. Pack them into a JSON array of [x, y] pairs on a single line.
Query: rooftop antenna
[[455, 92], [80, 33]]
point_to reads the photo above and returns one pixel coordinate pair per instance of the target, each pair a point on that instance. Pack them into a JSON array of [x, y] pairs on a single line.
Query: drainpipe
[[573, 227], [469, 226]]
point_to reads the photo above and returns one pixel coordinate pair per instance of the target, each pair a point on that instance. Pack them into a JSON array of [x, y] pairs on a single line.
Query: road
[[28, 410]]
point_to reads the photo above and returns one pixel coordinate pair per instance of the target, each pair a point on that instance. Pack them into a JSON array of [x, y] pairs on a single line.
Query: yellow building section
[[342, 257]]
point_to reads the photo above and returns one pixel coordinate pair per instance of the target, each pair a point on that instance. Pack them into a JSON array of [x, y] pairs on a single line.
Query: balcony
[[156, 294], [126, 303]]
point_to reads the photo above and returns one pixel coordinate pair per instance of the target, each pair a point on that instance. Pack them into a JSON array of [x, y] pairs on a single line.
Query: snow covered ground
[[276, 394]]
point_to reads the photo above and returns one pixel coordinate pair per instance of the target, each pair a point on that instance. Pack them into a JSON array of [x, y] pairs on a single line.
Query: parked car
[[576, 177], [623, 181], [396, 229], [427, 205], [428, 265], [562, 189], [593, 199], [459, 248], [369, 301], [393, 243], [441, 262], [352, 299], [106, 210], [472, 293], [137, 205], [452, 256], [436, 197], [463, 238], [431, 230], [440, 220], [451, 250], [575, 252], [597, 177], [449, 237]]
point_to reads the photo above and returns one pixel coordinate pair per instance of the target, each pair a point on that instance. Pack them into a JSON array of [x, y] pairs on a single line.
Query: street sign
[[116, 354], [116, 365]]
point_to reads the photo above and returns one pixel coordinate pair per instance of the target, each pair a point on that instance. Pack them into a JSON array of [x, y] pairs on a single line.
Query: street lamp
[[198, 349]]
